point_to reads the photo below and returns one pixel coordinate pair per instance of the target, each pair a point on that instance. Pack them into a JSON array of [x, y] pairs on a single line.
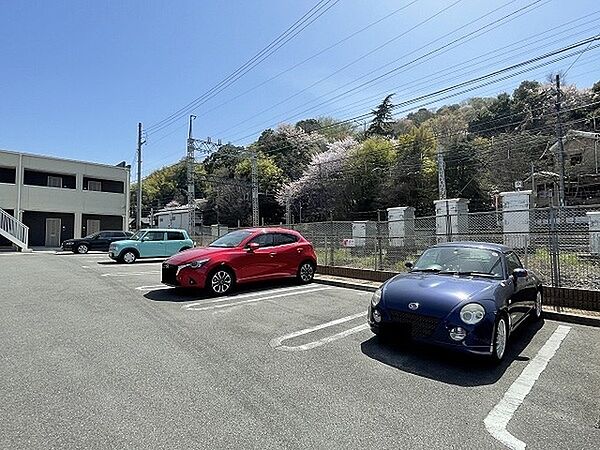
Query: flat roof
[[55, 158]]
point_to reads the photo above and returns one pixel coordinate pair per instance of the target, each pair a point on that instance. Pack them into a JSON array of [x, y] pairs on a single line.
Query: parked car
[[242, 256], [97, 241], [467, 296], [150, 243]]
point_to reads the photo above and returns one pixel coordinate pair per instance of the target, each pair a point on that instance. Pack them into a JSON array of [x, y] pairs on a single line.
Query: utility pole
[[191, 194], [255, 211], [533, 186], [561, 150], [288, 210], [596, 154], [138, 212], [441, 174]]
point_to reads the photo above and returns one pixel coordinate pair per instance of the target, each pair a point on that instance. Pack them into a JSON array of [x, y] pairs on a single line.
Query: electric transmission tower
[[205, 147]]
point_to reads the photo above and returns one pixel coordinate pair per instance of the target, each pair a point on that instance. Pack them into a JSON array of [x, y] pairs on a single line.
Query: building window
[[94, 185], [103, 185], [8, 175], [576, 159], [48, 179], [54, 181]]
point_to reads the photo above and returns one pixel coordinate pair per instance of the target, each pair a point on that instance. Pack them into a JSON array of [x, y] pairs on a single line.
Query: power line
[[409, 87], [311, 16], [481, 78], [281, 148], [392, 71], [354, 61], [315, 55], [578, 56], [493, 52]]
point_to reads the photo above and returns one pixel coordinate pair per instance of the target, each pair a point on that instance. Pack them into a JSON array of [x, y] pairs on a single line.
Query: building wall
[[29, 193], [36, 221], [106, 222]]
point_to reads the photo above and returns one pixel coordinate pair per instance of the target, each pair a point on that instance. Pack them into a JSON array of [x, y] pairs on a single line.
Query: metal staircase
[[14, 230]]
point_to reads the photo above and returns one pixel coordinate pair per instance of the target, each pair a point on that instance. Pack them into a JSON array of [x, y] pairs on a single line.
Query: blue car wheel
[[500, 340]]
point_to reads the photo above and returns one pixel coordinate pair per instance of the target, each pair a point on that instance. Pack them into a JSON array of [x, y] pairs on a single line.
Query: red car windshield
[[232, 239]]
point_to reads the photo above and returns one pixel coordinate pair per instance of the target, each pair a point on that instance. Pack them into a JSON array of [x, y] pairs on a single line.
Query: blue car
[[150, 243], [466, 296]]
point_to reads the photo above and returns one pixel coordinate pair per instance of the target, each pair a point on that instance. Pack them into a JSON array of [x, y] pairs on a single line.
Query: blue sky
[[77, 76]]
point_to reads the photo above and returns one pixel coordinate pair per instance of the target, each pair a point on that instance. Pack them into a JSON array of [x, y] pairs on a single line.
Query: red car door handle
[[272, 254], [300, 250]]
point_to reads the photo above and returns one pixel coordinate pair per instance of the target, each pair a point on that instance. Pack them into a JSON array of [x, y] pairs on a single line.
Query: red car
[[242, 256]]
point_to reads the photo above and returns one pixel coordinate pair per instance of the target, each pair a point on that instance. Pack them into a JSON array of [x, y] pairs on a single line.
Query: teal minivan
[[150, 243]]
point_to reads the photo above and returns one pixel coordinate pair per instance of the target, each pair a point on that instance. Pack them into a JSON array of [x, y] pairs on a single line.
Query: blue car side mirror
[[519, 273]]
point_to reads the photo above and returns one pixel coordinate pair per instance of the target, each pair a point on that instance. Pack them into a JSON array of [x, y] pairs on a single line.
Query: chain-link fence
[[562, 245]]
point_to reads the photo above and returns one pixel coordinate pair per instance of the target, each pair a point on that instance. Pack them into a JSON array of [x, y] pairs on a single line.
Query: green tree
[[420, 116], [381, 125], [167, 184], [494, 119], [368, 171], [412, 181], [466, 172], [291, 148], [226, 157]]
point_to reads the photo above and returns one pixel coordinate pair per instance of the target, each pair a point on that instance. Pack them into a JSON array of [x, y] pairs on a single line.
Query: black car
[[97, 241]]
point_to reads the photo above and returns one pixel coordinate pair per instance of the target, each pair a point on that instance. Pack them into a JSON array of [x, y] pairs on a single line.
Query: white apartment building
[[45, 200]]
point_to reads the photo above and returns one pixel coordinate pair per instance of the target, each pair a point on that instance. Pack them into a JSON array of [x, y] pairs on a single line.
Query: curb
[[572, 318], [551, 315], [346, 284]]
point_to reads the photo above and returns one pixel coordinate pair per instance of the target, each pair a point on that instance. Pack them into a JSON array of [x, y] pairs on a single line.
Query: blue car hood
[[437, 295], [128, 242]]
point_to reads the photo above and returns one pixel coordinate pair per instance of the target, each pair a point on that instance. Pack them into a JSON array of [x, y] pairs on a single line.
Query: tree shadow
[[179, 295], [440, 364]]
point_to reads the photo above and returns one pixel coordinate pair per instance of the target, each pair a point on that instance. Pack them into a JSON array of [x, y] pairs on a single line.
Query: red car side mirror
[[252, 246]]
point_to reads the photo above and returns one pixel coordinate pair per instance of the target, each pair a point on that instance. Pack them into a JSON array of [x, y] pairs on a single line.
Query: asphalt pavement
[[96, 354]]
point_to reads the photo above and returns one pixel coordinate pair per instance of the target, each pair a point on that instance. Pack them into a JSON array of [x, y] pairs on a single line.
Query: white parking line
[[150, 288], [498, 418], [277, 343], [129, 274], [250, 294], [192, 307]]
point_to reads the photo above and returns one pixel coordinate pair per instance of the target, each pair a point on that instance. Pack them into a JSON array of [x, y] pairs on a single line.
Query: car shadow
[[110, 262], [178, 295], [450, 367], [69, 252]]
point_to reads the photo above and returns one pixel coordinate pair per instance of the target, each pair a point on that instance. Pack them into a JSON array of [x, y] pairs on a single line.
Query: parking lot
[[99, 355]]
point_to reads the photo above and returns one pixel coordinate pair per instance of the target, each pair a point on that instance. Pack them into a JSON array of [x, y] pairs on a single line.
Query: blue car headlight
[[376, 297], [472, 313]]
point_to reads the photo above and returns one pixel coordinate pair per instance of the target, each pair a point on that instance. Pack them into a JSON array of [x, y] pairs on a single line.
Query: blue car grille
[[417, 325]]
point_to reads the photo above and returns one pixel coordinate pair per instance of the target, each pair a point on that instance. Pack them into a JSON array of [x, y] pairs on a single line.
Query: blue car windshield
[[232, 239], [460, 260], [137, 236]]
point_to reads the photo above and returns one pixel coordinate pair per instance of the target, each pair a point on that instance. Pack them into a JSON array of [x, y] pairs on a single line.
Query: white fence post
[[451, 219], [516, 206], [594, 222], [401, 226]]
